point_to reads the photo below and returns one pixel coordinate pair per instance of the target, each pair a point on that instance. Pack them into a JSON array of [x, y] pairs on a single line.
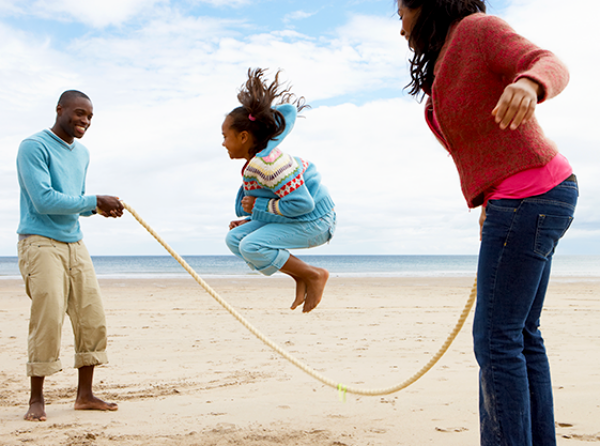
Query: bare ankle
[[36, 411], [315, 290]]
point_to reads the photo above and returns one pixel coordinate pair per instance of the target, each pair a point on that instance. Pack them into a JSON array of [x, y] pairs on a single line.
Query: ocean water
[[338, 265]]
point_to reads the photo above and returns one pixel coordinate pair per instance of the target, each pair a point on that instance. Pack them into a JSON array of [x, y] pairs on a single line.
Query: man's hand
[[517, 104], [109, 206], [248, 204]]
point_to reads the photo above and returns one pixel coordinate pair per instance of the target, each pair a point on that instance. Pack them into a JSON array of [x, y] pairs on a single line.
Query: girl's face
[[409, 18], [238, 144]]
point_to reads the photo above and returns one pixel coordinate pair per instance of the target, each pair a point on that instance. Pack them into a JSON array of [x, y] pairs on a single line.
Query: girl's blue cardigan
[[287, 188]]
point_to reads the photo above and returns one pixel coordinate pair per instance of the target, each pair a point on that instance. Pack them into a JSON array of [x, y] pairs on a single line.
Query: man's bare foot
[[315, 289], [36, 412], [95, 404], [300, 292]]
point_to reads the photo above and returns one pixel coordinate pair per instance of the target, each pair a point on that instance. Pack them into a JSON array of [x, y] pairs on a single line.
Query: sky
[[162, 75]]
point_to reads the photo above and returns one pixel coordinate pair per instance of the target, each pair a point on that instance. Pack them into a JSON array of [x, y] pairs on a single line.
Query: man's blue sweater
[[52, 180]]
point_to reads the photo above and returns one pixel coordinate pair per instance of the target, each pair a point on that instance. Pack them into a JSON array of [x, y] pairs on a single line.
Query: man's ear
[[59, 110]]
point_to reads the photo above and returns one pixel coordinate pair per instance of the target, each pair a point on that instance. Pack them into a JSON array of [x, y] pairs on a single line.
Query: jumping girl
[[282, 199]]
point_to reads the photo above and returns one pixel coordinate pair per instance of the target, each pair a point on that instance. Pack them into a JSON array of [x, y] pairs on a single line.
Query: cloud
[[95, 13], [10, 7], [570, 118], [224, 3], [162, 84], [160, 94], [297, 15]]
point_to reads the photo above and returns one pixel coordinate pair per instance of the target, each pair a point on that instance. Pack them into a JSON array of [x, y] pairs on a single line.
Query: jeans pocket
[[550, 229], [40, 241]]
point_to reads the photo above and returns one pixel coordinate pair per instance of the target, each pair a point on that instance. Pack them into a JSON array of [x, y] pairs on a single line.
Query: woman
[[483, 81]]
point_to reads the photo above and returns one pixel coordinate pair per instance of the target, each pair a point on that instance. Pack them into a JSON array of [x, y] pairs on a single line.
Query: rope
[[342, 389]]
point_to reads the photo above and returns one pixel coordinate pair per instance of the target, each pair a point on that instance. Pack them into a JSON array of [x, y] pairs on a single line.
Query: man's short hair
[[69, 95]]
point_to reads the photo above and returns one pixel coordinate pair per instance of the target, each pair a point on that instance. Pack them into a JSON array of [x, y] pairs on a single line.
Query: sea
[[579, 266]]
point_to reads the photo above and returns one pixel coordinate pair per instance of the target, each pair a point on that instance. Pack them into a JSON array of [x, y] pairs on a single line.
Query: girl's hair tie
[[251, 118]]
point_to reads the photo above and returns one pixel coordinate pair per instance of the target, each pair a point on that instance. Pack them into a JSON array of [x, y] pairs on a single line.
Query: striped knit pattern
[[273, 207], [278, 172]]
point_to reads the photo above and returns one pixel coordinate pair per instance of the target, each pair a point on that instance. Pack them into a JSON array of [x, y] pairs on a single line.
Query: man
[[55, 264]]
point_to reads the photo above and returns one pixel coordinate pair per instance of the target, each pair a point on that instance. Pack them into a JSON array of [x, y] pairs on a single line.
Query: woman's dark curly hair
[[256, 115], [429, 34]]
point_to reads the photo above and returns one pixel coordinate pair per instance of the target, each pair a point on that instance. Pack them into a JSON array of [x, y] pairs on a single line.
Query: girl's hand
[[236, 223], [248, 204], [517, 103]]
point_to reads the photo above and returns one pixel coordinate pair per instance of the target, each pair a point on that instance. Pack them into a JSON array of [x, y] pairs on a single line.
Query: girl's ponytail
[[256, 115]]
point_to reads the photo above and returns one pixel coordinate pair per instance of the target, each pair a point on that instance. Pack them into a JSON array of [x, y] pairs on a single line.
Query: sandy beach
[[185, 372]]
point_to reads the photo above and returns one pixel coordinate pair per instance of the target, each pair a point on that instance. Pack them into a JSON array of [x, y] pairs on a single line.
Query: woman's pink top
[[527, 183], [531, 182]]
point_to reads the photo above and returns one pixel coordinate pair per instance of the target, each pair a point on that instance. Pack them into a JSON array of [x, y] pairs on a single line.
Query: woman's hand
[[481, 222], [236, 223], [248, 204], [517, 103]]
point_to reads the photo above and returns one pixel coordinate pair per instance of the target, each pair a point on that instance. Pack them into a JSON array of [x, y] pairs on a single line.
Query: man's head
[[73, 115]]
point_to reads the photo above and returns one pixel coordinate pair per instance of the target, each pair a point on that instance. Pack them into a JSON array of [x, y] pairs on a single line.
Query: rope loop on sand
[[339, 386]]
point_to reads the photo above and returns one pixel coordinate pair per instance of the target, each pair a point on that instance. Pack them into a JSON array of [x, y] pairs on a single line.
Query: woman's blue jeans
[[264, 246], [515, 389]]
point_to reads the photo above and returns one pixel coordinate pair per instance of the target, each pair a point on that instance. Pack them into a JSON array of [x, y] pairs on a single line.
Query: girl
[[483, 82], [282, 197]]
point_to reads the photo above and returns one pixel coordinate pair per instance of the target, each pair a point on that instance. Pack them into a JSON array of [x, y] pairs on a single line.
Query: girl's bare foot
[[315, 289], [300, 292], [36, 411], [314, 279], [94, 404]]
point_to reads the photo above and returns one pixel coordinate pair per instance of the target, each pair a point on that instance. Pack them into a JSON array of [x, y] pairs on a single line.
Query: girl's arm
[[294, 204], [283, 176], [239, 208]]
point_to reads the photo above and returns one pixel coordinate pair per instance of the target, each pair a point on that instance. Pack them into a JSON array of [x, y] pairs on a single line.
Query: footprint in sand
[[451, 429]]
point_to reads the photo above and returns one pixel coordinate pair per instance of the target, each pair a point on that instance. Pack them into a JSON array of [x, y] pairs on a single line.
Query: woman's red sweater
[[481, 56]]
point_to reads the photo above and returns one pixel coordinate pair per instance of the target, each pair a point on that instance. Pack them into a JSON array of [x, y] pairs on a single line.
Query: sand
[[185, 372]]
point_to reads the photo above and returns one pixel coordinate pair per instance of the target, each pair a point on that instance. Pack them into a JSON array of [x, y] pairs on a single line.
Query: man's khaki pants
[[60, 278]]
